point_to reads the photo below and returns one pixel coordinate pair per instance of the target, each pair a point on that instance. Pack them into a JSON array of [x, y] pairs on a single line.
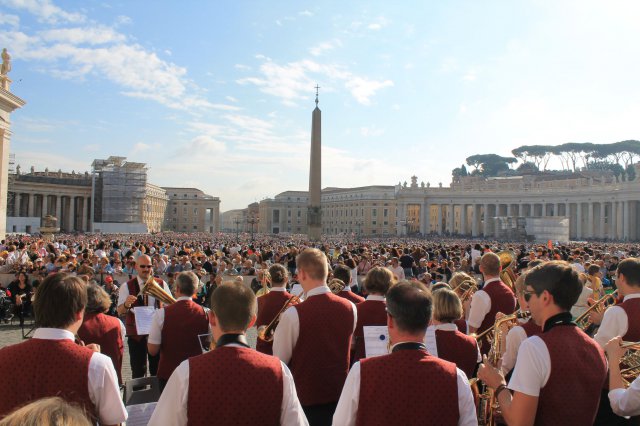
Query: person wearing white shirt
[[215, 386], [59, 366], [625, 401], [561, 361], [128, 300], [314, 338], [396, 269], [391, 389]]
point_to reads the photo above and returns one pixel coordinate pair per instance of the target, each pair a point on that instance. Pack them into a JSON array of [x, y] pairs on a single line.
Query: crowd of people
[[437, 300]]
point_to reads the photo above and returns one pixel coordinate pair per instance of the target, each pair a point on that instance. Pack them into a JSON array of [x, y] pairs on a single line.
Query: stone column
[[85, 214], [544, 210], [427, 218], [463, 219], [45, 205], [486, 227], [625, 220], [72, 213], [590, 231], [614, 220], [556, 209], [475, 221], [30, 207], [578, 220], [439, 219], [601, 233], [509, 210], [17, 202], [451, 219], [59, 210]]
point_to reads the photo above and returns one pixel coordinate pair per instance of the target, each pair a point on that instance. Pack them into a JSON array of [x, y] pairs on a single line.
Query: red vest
[[458, 348], [462, 326], [632, 309], [370, 312], [234, 386], [183, 322], [531, 328], [130, 319], [408, 387], [268, 307], [502, 300], [320, 359], [50, 368], [351, 296], [106, 331], [578, 373]]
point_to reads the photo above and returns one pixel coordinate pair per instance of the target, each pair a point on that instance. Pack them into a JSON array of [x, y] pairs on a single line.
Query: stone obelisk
[[314, 214], [8, 103]]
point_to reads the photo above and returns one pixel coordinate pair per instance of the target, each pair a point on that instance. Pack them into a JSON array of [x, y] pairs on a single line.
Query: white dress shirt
[[533, 368], [347, 409], [430, 338], [376, 297], [614, 322], [514, 339], [104, 391], [172, 406], [123, 292], [626, 402], [480, 305], [582, 304], [288, 330], [157, 322]]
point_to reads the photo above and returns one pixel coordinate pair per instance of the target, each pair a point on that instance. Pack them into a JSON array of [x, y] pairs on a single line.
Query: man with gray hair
[[175, 329]]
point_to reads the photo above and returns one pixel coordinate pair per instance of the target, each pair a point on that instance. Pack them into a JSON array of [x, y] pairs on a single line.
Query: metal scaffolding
[[119, 190]]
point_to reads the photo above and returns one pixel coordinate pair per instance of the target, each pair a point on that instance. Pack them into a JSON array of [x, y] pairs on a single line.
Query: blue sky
[[218, 95]]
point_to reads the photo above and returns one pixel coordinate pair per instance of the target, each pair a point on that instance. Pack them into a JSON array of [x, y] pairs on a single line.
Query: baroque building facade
[[191, 210]]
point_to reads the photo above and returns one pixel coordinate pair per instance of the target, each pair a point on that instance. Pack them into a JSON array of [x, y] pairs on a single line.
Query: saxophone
[[488, 408]]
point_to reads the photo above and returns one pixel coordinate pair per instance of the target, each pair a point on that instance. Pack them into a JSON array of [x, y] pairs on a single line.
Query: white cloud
[[231, 99], [325, 47], [123, 20], [139, 147], [371, 131], [378, 24], [10, 20], [292, 82], [305, 13], [87, 35], [242, 67], [45, 11]]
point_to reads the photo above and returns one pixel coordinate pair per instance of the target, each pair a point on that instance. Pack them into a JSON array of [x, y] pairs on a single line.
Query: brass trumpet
[[599, 306], [513, 318], [630, 362], [265, 281], [266, 332], [336, 285], [466, 290]]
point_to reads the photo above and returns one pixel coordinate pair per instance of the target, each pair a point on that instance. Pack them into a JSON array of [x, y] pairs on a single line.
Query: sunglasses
[[144, 266], [527, 295]]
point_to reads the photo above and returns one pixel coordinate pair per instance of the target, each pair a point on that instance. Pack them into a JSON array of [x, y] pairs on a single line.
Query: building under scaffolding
[[120, 188]]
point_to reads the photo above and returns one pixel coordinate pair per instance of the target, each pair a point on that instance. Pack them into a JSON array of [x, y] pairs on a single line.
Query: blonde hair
[[458, 278], [52, 411], [314, 263], [378, 280], [446, 305]]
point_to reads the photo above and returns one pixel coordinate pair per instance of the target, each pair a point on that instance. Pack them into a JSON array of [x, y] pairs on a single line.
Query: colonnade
[[604, 219], [72, 211]]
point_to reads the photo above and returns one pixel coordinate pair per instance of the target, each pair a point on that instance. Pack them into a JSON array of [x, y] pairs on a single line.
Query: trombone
[[266, 333]]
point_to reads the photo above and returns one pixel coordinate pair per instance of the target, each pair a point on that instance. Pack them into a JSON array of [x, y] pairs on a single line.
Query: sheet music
[[430, 341], [376, 340], [140, 414], [143, 315], [296, 290]]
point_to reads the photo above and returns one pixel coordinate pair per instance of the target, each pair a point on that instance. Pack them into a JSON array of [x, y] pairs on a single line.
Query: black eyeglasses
[[528, 294], [144, 266]]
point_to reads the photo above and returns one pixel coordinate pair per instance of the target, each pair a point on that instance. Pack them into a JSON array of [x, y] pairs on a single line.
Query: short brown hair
[[278, 274], [98, 301], [234, 304], [378, 280], [630, 268], [490, 263], [314, 263], [187, 283], [58, 300], [409, 304], [51, 411], [446, 305]]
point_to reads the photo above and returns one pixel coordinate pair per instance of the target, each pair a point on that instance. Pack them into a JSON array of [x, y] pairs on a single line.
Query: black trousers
[[138, 357], [606, 416], [320, 415]]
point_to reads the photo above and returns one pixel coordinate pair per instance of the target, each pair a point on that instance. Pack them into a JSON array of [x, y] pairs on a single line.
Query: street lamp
[[406, 223], [237, 221], [252, 221]]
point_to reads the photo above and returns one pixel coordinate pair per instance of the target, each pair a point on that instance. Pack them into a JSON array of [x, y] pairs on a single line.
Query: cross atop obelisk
[[314, 213]]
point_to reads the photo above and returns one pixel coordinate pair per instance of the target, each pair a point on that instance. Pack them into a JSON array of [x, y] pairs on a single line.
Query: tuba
[[600, 305], [152, 288], [266, 332], [507, 261], [630, 362], [336, 285]]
